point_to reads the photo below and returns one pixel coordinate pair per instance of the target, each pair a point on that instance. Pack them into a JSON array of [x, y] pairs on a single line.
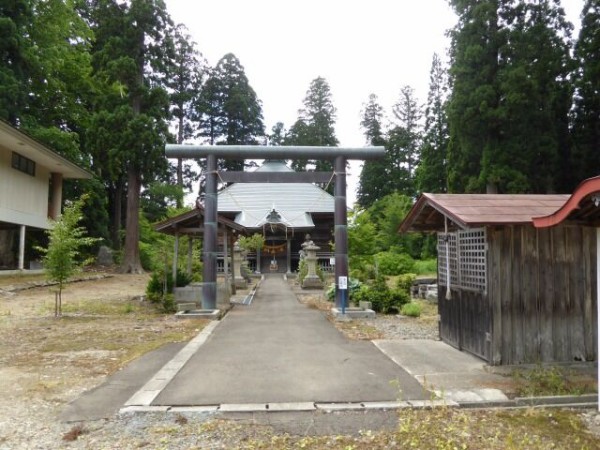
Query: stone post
[[312, 280], [239, 280]]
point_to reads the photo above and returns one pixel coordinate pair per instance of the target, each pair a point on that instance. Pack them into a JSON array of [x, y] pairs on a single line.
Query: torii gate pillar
[[209, 246], [340, 226]]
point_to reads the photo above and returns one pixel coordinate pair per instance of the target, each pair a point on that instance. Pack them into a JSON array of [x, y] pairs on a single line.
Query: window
[[466, 258], [23, 164]]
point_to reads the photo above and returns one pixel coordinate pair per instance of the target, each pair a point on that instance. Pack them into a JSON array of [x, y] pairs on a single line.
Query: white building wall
[[23, 198]]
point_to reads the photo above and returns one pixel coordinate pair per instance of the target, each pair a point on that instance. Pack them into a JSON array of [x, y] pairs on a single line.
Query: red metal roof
[[471, 210], [581, 206]]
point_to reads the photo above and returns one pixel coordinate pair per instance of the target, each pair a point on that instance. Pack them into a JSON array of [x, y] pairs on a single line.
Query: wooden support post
[[175, 257], [190, 254], [289, 256], [225, 255]]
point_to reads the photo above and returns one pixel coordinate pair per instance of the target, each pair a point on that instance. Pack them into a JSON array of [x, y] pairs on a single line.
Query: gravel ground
[[29, 409]]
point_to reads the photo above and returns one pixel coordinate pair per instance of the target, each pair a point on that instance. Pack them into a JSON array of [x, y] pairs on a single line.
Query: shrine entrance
[[274, 262]]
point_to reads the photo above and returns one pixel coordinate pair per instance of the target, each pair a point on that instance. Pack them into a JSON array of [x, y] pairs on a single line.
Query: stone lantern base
[[313, 282]]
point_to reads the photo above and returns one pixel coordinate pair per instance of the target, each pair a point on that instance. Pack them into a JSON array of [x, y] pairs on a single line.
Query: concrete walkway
[[277, 350]]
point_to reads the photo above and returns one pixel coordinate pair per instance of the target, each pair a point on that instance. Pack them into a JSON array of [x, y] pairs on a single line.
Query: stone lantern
[[238, 279], [312, 280]]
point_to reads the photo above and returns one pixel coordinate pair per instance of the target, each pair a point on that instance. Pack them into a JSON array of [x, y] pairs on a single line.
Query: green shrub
[[392, 263], [155, 286], [168, 303], [411, 310], [383, 299], [405, 282]]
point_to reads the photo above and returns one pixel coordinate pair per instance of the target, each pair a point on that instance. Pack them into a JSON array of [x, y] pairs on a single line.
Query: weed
[[541, 381], [411, 309]]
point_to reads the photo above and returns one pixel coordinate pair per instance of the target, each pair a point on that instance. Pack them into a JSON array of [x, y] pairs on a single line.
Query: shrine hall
[[283, 213]]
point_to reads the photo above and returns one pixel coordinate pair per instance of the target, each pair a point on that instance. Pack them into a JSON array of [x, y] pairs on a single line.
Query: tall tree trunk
[[131, 257], [180, 162], [116, 195]]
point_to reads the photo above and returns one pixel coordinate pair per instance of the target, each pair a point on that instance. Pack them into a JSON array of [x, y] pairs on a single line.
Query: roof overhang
[[432, 211], [582, 207], [17, 141], [191, 223]]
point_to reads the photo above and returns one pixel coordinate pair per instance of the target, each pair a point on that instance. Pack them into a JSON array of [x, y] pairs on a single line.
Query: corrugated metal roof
[[252, 202], [470, 210]]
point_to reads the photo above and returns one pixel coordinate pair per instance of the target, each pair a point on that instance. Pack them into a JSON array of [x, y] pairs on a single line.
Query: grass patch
[[8, 280], [411, 309], [437, 428], [543, 381], [426, 267]]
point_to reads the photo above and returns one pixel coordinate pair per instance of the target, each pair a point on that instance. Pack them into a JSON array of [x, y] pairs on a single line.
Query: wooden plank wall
[[542, 294], [465, 321]]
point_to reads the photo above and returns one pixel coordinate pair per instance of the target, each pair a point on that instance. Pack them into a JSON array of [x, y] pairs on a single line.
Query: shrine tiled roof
[[252, 202]]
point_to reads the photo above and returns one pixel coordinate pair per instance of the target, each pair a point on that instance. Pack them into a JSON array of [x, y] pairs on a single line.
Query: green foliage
[[66, 238], [391, 263], [426, 266], [155, 289], [405, 282], [315, 124], [411, 310], [383, 299], [251, 243]]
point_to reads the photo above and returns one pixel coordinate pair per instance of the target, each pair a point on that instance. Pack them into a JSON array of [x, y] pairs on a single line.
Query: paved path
[[279, 351]]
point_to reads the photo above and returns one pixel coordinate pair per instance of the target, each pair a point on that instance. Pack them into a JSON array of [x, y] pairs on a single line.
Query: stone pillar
[[22, 247], [240, 281], [312, 280], [341, 226], [209, 245]]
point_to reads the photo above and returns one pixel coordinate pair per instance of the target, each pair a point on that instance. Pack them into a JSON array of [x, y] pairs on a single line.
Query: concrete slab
[[105, 400], [243, 407], [353, 313], [440, 367], [280, 351], [302, 406], [339, 406]]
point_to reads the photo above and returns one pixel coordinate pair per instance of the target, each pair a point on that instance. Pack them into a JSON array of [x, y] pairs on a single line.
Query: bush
[[405, 282], [391, 263], [383, 299], [155, 287], [411, 310]]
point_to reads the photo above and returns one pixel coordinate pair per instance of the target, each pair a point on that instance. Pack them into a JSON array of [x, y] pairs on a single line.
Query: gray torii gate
[[339, 155]]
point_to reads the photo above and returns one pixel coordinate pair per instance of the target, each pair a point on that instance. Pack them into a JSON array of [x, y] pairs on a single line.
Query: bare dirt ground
[[45, 363]]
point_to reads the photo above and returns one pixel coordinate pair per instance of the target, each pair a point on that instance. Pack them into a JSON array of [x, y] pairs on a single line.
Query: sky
[[359, 46]]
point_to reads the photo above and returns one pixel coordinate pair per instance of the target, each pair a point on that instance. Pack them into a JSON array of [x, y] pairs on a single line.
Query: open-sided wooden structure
[[511, 292]]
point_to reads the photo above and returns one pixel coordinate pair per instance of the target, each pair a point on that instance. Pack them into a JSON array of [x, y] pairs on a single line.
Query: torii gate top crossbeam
[[272, 152]]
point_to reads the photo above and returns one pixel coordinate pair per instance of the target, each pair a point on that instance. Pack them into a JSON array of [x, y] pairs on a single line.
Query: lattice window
[[472, 261], [467, 259], [443, 261]]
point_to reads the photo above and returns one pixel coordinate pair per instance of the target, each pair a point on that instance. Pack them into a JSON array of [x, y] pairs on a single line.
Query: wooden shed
[[510, 292]]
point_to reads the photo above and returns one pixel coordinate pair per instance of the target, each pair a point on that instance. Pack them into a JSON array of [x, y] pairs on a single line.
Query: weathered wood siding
[[465, 321], [542, 293]]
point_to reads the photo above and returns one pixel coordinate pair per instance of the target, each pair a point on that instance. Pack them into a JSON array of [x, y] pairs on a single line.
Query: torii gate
[[339, 155]]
